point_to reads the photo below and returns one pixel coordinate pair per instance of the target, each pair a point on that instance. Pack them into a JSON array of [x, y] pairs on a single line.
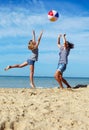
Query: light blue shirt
[[63, 55], [34, 55]]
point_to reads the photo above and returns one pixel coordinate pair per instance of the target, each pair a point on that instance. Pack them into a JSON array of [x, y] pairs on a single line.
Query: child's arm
[[39, 39], [33, 34], [64, 41], [59, 40]]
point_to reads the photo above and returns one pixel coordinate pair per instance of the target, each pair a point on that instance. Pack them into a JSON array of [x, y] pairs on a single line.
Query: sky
[[19, 17]]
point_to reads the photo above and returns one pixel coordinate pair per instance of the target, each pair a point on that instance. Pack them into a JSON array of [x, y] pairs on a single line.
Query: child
[[63, 60], [33, 46]]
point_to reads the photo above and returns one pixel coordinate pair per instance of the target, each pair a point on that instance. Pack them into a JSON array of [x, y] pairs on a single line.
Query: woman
[[33, 46], [63, 60]]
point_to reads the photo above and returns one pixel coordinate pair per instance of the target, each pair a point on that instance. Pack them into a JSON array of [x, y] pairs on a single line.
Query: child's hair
[[70, 45], [30, 45]]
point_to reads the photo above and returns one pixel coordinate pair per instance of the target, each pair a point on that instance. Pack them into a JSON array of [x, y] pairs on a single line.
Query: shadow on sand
[[80, 86]]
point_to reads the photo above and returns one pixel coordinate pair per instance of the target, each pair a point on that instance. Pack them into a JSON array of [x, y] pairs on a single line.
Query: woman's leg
[[16, 66], [31, 76], [58, 77], [66, 83]]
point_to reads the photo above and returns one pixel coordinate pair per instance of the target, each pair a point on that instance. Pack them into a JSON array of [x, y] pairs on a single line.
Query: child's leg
[[31, 76], [16, 66]]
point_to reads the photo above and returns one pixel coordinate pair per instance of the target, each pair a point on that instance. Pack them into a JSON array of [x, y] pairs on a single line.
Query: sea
[[40, 82]]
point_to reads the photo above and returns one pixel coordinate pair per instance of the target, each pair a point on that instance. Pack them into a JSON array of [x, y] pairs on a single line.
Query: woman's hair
[[70, 45], [30, 45]]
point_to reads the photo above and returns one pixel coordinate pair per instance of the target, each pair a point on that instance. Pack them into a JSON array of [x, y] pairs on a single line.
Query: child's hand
[[42, 32], [33, 32]]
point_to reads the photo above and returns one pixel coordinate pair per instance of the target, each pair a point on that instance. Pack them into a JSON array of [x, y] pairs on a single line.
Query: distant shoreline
[[39, 76]]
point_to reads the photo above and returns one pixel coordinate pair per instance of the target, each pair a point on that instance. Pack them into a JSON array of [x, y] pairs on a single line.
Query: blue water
[[44, 82]]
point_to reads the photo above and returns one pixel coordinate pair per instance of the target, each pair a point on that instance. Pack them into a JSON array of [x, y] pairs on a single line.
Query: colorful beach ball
[[53, 15]]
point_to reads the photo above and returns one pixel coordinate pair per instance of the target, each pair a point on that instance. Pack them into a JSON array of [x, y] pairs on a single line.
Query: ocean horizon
[[40, 81]]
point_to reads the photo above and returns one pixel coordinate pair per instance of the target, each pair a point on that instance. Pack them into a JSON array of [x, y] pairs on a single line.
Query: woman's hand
[[59, 35], [64, 35]]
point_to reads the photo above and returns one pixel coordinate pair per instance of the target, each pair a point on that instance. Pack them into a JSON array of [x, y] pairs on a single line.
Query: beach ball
[[53, 15]]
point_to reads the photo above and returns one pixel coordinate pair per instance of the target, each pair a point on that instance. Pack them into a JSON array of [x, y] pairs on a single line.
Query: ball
[[53, 15]]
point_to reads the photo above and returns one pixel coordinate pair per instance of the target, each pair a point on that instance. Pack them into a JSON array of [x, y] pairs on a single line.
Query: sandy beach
[[44, 109]]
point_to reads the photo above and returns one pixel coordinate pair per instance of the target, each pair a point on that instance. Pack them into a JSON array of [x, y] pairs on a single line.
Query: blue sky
[[19, 17]]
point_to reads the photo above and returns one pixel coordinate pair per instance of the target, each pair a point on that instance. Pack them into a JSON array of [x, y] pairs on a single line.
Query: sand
[[44, 109]]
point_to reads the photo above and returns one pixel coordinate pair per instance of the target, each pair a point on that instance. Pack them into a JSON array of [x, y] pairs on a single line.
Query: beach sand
[[44, 109]]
